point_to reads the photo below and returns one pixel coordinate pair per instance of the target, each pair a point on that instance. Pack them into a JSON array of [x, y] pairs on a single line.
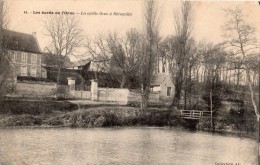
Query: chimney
[[35, 37], [34, 34]]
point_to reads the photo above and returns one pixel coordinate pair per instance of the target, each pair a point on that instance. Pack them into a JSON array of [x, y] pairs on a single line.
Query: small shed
[[163, 83]]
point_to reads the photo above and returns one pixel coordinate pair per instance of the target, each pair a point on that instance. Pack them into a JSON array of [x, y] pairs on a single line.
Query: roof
[[52, 60], [52, 74], [20, 41], [80, 63], [161, 78]]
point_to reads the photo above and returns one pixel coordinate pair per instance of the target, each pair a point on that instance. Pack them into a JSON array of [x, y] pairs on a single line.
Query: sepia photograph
[[129, 82]]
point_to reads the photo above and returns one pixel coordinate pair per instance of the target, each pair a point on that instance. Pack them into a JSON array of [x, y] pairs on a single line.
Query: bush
[[22, 78], [117, 116], [18, 107], [20, 120]]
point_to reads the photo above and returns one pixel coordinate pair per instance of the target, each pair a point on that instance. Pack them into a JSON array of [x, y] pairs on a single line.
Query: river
[[126, 145]]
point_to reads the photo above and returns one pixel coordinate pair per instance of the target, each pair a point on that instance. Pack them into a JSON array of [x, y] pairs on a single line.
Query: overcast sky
[[208, 16]]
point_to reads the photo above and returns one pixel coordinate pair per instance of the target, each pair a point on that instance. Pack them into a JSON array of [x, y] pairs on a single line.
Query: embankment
[[60, 113]]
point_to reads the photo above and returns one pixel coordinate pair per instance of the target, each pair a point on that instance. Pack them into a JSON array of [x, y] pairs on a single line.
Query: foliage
[[242, 120], [19, 107], [26, 78]]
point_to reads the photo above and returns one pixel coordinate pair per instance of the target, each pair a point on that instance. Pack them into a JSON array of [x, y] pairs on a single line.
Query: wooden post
[[142, 93], [211, 114]]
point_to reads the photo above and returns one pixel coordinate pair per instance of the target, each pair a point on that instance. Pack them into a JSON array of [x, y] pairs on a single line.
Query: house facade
[[162, 81], [24, 53], [27, 63]]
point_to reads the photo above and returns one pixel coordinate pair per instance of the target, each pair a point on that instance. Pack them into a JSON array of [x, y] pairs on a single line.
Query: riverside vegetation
[[65, 114]]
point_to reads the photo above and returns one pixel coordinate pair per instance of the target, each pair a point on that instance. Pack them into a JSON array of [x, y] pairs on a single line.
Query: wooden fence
[[194, 114]]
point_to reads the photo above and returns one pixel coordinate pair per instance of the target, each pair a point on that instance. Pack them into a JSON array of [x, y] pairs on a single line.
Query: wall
[[163, 92], [84, 95], [135, 96], [18, 62], [113, 95], [35, 89]]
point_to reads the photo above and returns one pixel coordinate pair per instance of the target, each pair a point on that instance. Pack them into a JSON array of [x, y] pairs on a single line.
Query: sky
[[208, 16]]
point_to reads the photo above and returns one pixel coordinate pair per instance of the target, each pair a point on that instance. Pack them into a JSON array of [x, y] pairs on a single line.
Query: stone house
[[24, 52]]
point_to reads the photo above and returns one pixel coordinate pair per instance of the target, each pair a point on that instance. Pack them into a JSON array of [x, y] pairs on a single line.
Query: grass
[[115, 116], [57, 113], [34, 107]]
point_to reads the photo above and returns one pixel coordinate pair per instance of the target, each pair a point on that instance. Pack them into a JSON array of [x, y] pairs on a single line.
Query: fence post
[[71, 83], [94, 90]]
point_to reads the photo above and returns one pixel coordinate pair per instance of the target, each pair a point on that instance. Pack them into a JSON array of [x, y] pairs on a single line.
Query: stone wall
[[35, 89], [135, 96]]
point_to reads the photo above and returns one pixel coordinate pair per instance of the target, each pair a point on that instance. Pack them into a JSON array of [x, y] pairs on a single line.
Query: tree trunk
[[122, 84], [145, 99], [178, 87], [211, 109], [185, 89], [58, 75], [252, 94]]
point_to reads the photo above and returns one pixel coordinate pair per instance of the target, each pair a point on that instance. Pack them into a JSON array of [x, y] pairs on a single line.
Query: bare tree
[[183, 24], [213, 59], [7, 70], [241, 40], [98, 51], [150, 48], [125, 60], [120, 56], [66, 37]]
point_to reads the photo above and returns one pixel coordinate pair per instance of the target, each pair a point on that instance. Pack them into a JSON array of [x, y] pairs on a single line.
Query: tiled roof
[[161, 78], [20, 41], [79, 63]]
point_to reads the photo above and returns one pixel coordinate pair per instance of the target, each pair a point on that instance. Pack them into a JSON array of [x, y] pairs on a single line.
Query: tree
[[149, 48], [213, 59], [6, 68], [241, 40], [169, 49], [120, 55], [183, 24], [125, 60], [66, 37]]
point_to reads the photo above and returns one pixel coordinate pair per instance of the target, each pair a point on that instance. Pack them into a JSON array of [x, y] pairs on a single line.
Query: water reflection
[[122, 146]]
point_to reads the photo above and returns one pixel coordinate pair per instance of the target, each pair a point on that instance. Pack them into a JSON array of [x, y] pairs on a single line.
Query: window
[[10, 54], [13, 55], [44, 74], [33, 71], [169, 91], [34, 59], [24, 57], [23, 70], [163, 69], [156, 88]]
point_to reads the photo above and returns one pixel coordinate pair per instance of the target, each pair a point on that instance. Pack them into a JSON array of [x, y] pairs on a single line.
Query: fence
[[113, 95], [83, 95], [93, 92]]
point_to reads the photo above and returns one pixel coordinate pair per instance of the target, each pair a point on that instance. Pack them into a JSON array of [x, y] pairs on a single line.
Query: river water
[[127, 145]]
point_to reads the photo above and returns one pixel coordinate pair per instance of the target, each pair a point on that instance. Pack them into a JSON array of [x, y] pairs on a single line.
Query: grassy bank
[[61, 113], [34, 107], [66, 114], [116, 116]]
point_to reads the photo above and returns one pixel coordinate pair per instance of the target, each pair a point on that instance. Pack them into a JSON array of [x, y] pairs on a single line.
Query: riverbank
[[66, 114], [104, 116]]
